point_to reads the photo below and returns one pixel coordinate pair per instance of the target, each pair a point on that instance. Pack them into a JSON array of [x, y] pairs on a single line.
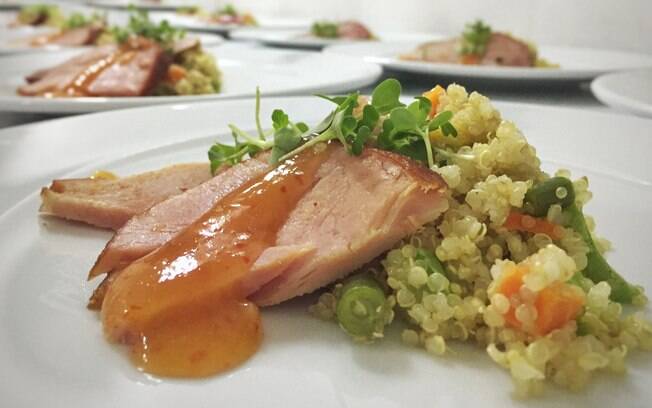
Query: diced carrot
[[517, 221], [176, 73], [470, 59], [557, 305], [433, 96], [510, 284]]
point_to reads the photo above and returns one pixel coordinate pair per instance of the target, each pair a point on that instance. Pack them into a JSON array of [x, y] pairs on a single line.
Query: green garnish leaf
[[404, 130], [324, 29], [279, 119], [448, 129], [385, 96], [140, 25], [475, 37]]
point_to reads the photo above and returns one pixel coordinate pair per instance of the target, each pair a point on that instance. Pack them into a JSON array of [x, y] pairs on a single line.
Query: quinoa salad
[[514, 265]]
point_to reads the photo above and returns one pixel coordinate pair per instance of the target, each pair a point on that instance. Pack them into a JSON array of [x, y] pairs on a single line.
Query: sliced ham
[[149, 230], [503, 49], [110, 203], [78, 36], [132, 69], [57, 79], [182, 309], [353, 30], [134, 73], [359, 208]]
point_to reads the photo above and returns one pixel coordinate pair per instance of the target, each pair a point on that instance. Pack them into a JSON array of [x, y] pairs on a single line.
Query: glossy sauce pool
[[181, 309]]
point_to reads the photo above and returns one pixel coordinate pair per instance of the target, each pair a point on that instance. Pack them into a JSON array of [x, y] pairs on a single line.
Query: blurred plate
[[198, 24], [18, 41], [277, 72], [301, 38], [629, 91], [53, 352], [576, 64], [142, 4]]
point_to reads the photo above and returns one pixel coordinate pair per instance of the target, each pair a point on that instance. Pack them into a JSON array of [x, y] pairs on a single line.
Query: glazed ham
[[501, 49], [72, 38], [353, 30], [131, 69], [110, 203], [357, 208], [149, 230], [183, 309]]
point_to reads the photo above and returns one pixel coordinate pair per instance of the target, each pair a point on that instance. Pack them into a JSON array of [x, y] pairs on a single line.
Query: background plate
[[575, 63], [53, 353], [17, 41], [629, 91], [277, 72], [196, 24], [300, 38]]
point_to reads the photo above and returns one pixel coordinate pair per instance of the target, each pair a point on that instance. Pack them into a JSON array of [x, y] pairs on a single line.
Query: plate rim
[[618, 101]]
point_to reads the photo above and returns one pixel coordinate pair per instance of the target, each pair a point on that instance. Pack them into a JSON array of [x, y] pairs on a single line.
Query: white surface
[[575, 63], [53, 353], [629, 91], [197, 24], [301, 38], [277, 72], [18, 41]]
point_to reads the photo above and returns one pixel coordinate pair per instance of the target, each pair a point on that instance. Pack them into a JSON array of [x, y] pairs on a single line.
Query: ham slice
[[503, 49], [58, 78], [132, 69], [78, 36], [353, 30], [356, 209], [149, 230], [110, 203], [359, 208]]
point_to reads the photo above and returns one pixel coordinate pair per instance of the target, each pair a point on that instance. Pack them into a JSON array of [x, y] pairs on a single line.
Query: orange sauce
[[182, 309], [79, 85]]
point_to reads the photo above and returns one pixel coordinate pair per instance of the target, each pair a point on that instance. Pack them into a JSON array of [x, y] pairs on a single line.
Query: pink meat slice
[[503, 49], [358, 209], [58, 78], [353, 30], [149, 230], [135, 73], [78, 36], [110, 203]]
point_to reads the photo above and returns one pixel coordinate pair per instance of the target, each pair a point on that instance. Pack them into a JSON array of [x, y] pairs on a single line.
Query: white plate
[[575, 63], [142, 4], [18, 41], [53, 354], [277, 72], [301, 38], [629, 91], [197, 24]]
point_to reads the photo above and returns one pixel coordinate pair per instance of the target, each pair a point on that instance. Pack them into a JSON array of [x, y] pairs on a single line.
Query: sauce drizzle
[[182, 309]]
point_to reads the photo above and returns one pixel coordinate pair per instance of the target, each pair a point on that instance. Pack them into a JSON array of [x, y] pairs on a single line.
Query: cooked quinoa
[[202, 76], [468, 277]]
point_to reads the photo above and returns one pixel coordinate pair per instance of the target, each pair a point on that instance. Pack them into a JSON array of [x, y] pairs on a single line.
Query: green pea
[[360, 308], [556, 190]]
